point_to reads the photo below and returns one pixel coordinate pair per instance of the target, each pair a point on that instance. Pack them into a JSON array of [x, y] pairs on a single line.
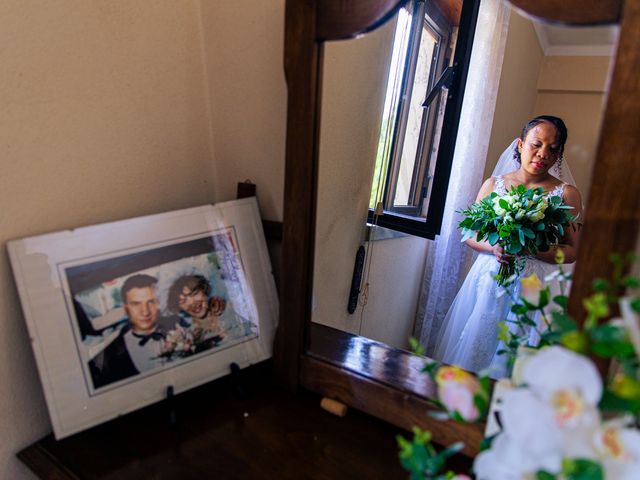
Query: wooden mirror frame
[[612, 216]]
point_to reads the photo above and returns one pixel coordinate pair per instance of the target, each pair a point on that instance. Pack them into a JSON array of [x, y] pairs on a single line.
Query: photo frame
[[119, 312]]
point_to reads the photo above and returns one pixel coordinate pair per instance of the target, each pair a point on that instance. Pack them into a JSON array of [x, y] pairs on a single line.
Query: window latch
[[443, 82]]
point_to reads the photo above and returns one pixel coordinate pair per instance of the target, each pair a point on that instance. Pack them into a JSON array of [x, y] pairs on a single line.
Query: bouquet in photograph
[[523, 221], [184, 342]]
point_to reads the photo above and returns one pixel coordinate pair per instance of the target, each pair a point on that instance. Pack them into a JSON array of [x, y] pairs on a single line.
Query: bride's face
[[540, 149]]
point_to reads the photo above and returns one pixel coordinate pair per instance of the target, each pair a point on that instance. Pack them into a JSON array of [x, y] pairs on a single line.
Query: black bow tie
[[145, 338]]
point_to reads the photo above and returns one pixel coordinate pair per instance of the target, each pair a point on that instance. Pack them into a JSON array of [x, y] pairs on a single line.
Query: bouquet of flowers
[[522, 221], [184, 342]]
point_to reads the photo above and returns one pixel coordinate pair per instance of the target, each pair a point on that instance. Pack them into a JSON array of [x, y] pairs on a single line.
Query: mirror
[[538, 69], [369, 375]]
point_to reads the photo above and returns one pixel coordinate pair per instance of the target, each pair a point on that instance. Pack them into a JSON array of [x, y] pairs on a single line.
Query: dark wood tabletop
[[224, 433]]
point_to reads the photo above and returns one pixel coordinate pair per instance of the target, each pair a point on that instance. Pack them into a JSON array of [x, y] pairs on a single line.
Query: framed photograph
[[119, 312]]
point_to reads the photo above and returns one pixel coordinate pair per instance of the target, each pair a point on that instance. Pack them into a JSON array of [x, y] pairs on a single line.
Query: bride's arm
[[485, 247], [571, 238]]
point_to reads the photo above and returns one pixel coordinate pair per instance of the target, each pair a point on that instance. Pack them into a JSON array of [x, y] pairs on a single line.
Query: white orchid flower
[[505, 460], [520, 214], [536, 432], [567, 381], [619, 449]]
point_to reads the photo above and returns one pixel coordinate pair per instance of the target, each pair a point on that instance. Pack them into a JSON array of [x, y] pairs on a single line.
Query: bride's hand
[[498, 252]]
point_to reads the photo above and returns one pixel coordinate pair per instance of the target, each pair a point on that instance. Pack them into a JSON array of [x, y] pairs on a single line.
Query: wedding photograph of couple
[[143, 313]]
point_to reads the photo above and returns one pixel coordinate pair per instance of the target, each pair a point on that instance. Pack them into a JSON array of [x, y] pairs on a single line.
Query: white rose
[[535, 216]]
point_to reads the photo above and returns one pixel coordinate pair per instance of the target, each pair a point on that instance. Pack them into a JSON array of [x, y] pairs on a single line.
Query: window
[[423, 100]]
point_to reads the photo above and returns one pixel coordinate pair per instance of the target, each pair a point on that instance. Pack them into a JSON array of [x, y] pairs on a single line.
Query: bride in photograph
[[468, 337]]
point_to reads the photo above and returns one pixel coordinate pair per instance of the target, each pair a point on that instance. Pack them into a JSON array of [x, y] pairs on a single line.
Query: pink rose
[[456, 390]]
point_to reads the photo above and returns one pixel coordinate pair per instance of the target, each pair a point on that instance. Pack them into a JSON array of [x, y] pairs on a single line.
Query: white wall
[[112, 109], [354, 83]]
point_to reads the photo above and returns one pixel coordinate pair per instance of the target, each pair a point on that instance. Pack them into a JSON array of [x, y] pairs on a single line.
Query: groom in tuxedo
[[139, 344]]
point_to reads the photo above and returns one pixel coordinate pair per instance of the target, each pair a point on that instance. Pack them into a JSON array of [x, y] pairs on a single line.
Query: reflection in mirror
[[518, 70]]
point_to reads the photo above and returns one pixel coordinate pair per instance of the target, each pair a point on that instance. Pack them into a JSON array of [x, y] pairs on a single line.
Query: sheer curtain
[[448, 259]]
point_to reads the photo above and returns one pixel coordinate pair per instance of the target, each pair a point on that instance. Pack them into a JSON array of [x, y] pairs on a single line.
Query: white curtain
[[448, 259]]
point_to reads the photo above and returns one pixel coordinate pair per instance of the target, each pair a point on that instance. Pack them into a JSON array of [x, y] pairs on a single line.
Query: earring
[[559, 164]]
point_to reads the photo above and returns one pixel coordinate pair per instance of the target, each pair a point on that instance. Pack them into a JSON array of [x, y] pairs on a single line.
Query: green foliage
[[420, 458], [415, 347]]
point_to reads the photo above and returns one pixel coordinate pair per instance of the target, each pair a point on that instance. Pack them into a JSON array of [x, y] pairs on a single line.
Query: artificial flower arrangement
[[522, 220], [559, 419]]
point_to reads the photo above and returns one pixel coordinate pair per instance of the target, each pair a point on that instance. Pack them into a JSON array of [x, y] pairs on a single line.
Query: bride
[[469, 334]]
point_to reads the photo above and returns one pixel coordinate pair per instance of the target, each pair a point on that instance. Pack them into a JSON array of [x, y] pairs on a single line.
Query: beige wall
[[112, 109], [573, 88], [517, 91], [244, 54]]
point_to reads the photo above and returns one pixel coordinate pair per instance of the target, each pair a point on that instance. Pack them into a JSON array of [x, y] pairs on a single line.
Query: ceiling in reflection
[[577, 41]]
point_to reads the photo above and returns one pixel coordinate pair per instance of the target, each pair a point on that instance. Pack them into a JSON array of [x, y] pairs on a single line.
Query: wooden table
[[268, 434]]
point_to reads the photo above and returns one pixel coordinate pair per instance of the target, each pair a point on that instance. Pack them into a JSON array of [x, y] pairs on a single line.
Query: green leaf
[[581, 469], [521, 237], [596, 305], [503, 332], [625, 386], [430, 368], [631, 282], [493, 238], [481, 403], [610, 341], [528, 232], [543, 299], [539, 226], [503, 203], [520, 309], [542, 475], [576, 341], [513, 249], [563, 322], [416, 347], [610, 402], [561, 300], [600, 285], [485, 443], [635, 305]]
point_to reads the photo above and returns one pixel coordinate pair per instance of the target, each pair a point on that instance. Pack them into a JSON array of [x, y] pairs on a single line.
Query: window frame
[[408, 219]]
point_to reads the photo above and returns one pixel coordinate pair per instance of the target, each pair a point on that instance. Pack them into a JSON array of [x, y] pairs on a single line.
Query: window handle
[[443, 82]]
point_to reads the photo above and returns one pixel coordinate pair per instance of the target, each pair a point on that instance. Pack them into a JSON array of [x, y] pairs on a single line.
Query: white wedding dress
[[468, 337]]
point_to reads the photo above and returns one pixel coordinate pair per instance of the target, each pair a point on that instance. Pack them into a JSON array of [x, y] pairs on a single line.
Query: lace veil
[[507, 163]]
